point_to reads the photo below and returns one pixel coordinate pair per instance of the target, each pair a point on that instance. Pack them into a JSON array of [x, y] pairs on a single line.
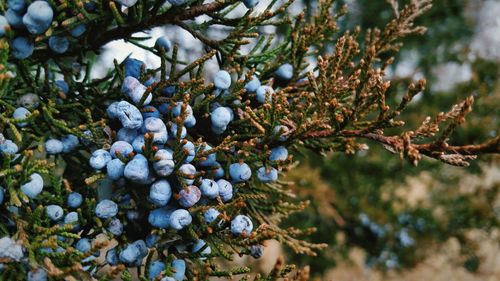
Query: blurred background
[[383, 218], [387, 220]]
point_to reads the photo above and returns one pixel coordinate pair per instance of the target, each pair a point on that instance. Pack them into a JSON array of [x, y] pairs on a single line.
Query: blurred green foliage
[[365, 186]]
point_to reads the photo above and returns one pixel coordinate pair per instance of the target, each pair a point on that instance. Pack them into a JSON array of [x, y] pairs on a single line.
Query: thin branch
[[172, 16]]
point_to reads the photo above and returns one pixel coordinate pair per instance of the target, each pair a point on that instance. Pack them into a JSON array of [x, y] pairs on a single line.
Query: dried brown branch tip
[[170, 169]]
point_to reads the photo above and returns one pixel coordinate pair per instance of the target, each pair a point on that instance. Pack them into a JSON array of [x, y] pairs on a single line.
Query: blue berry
[[129, 115], [127, 135], [157, 128], [218, 171], [155, 269], [189, 196], [115, 169], [87, 137], [160, 218], [279, 153], [133, 89], [179, 219], [38, 17], [164, 43], [133, 67], [190, 151], [106, 209], [112, 257], [2, 194], [189, 172], [284, 72], [29, 101], [164, 108], [153, 124], [99, 159], [143, 249], [121, 147], [151, 240], [54, 212], [54, 146], [150, 81], [199, 245], [177, 2], [160, 192], [211, 215], [72, 218], [38, 274], [190, 121], [241, 225], [209, 188], [222, 80], [250, 3], [221, 117], [164, 163], [150, 111], [138, 143], [218, 130], [17, 5], [211, 159], [78, 30], [83, 245], [115, 226], [225, 190], [58, 44], [137, 170], [130, 254], [10, 19], [19, 114], [33, 187], [253, 84], [9, 147], [169, 91], [177, 109], [264, 94], [256, 251], [180, 268], [282, 132], [127, 3], [112, 110], [74, 200], [22, 47], [70, 142], [4, 21], [174, 129], [10, 249], [63, 86], [267, 175], [240, 172]]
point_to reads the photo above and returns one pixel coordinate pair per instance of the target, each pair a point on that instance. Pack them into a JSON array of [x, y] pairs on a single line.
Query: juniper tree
[[170, 170]]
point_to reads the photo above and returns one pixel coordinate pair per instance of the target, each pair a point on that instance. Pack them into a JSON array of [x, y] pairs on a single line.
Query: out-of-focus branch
[[454, 155], [171, 16]]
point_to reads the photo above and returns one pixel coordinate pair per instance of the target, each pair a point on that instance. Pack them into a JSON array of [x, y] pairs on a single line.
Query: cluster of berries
[[29, 20], [154, 151]]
